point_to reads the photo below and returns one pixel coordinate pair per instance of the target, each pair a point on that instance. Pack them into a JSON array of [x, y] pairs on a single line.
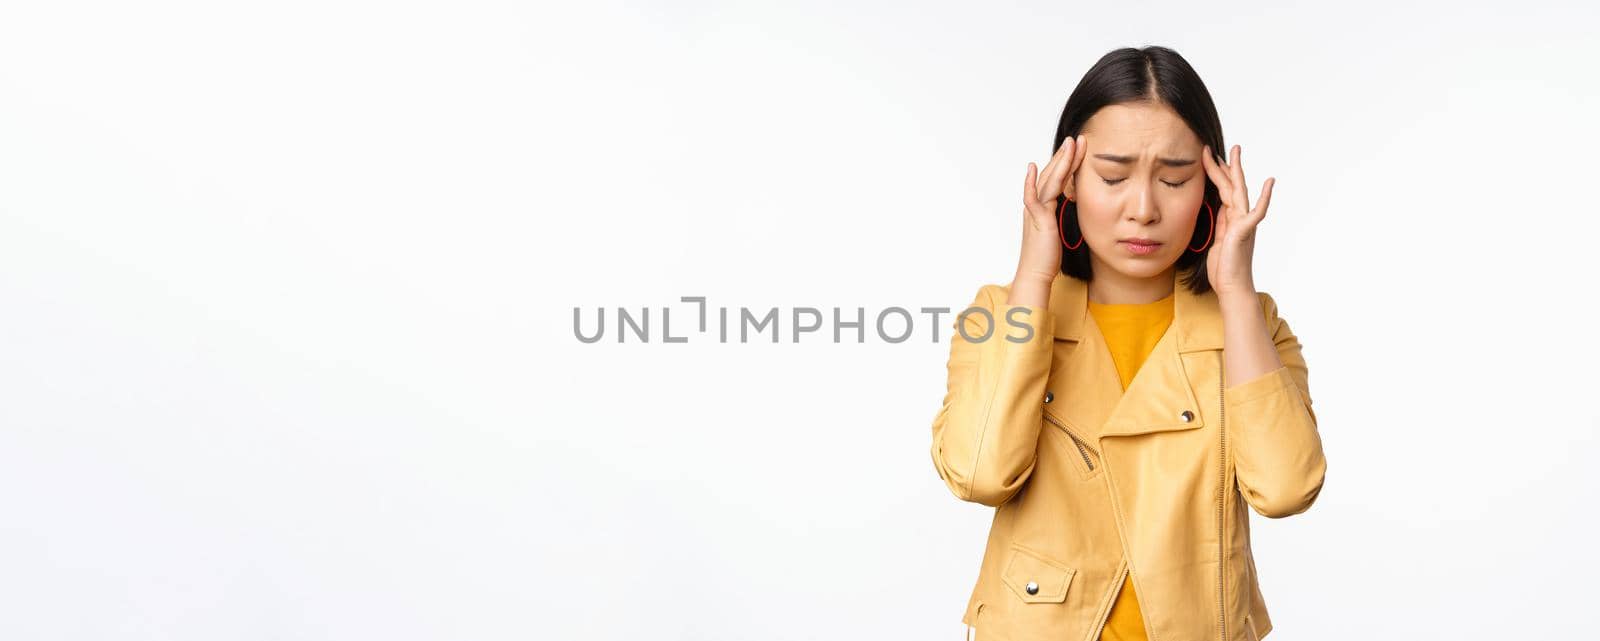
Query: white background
[[286, 299]]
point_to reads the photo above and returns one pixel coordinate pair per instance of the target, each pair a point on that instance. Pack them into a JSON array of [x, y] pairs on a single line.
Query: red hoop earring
[[1209, 232], [1061, 226]]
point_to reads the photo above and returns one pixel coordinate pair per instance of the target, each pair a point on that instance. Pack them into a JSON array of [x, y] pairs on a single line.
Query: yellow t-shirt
[[1131, 331]]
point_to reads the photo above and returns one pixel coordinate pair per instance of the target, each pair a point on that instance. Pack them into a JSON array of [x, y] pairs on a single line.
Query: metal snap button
[[1032, 588], [1186, 416], [1049, 396]]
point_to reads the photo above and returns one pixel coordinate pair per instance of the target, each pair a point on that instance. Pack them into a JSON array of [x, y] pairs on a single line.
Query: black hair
[[1151, 74]]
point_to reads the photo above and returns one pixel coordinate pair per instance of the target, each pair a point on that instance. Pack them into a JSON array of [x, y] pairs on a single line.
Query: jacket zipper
[[1106, 616], [1222, 493], [1082, 451]]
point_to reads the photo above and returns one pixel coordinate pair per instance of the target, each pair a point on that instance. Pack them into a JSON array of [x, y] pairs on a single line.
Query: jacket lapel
[[1084, 377]]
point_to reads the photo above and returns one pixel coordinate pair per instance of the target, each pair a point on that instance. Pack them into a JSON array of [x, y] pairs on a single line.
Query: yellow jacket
[[1091, 482]]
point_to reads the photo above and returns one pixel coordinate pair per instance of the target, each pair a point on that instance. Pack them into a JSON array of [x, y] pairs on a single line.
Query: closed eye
[[1109, 181]]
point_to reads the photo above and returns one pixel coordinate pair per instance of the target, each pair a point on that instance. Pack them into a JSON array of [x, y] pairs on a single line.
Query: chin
[[1149, 268]]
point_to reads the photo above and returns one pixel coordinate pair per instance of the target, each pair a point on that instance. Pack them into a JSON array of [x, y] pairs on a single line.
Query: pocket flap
[[1036, 579]]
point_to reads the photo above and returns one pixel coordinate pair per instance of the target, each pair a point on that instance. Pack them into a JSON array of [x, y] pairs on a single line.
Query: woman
[[1130, 391]]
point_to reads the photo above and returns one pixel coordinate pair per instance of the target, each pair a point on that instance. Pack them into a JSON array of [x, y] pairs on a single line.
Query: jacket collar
[[1092, 403], [1196, 318]]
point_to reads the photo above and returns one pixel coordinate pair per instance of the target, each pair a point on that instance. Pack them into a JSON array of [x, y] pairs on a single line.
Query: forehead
[[1134, 127]]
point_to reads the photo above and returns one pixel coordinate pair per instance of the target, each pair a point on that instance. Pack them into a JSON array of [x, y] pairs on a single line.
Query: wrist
[[1032, 276], [1243, 291], [1239, 300], [1029, 289]]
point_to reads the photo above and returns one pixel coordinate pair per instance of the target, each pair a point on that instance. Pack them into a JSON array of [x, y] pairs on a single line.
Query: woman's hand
[[1041, 241], [1229, 262]]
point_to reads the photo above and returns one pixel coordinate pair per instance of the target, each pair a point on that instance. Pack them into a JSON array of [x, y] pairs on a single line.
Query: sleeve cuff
[[1261, 386], [1025, 327]]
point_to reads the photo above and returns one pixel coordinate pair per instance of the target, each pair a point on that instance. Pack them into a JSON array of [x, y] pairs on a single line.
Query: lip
[[1140, 246]]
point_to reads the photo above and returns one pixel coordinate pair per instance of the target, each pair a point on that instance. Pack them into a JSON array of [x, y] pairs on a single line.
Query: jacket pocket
[[1088, 460], [1036, 579]]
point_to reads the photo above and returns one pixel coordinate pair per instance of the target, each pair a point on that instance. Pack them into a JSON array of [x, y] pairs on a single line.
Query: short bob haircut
[[1151, 74]]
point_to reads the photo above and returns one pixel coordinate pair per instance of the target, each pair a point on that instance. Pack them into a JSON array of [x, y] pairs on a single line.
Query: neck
[[1111, 287]]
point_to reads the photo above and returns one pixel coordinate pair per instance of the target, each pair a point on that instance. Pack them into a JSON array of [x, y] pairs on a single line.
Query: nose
[[1144, 209]]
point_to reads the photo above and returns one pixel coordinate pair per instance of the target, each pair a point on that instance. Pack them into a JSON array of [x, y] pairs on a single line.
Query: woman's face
[[1141, 179]]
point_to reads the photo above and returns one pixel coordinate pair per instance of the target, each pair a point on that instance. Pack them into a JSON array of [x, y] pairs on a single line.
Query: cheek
[[1097, 213], [1185, 206]]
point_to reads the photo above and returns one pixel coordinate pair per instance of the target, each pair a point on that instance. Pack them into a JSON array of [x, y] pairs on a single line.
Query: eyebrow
[[1128, 160]]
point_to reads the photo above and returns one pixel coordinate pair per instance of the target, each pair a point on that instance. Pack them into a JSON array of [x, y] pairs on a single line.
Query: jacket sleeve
[[1277, 451], [984, 436]]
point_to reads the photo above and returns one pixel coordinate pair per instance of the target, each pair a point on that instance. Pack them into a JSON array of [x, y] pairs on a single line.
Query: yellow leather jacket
[[1091, 482]]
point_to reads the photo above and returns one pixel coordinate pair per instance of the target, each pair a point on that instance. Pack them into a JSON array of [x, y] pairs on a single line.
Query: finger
[[1057, 161], [1221, 231], [1241, 190], [1042, 179], [1082, 152], [1077, 161], [1219, 173], [1030, 193], [1266, 198], [1215, 172], [1050, 183]]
